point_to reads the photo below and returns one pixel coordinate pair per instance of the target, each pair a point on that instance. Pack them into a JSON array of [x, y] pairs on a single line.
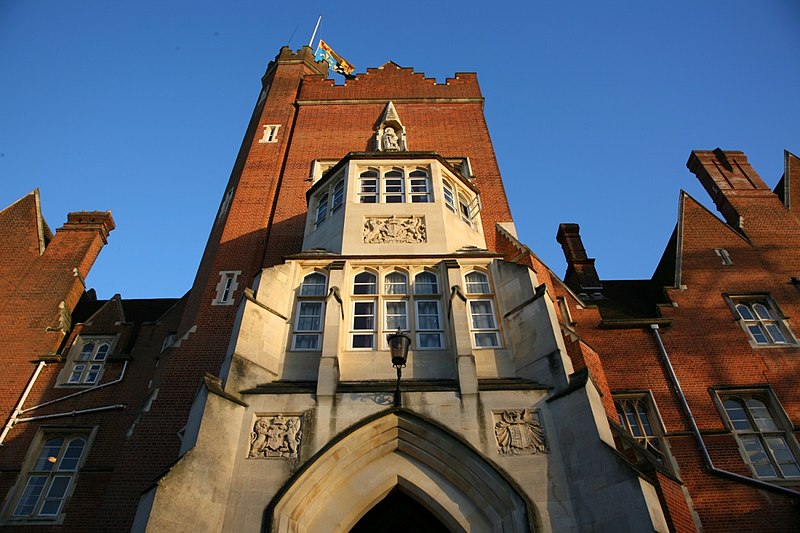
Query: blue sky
[[593, 107]]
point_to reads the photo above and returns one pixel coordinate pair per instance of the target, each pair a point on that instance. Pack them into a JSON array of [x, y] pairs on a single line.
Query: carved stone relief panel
[[394, 230], [519, 432], [276, 436]]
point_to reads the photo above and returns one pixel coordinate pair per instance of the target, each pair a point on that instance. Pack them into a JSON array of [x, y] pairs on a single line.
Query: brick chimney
[[79, 241], [729, 180], [581, 273]]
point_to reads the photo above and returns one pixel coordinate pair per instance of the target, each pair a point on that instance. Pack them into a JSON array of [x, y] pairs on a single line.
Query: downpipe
[[696, 431], [18, 410]]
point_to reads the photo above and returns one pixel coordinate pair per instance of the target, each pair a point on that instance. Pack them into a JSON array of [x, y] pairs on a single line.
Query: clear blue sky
[[139, 107]]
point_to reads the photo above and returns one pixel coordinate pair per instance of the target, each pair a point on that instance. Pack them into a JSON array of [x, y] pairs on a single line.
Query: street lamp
[[399, 343]]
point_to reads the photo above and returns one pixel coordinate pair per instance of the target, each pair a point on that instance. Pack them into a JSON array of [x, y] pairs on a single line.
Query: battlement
[[391, 81]]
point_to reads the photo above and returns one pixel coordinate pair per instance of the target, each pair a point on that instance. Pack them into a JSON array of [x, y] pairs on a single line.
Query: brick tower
[[356, 212]]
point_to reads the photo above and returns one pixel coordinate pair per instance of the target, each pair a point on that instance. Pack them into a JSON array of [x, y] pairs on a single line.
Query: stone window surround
[[309, 299], [381, 298], [28, 469], [778, 319], [270, 134], [228, 283], [653, 441], [767, 396], [403, 178], [92, 364], [482, 297]]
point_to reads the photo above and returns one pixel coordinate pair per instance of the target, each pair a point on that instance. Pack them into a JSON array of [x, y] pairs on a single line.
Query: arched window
[[449, 196], [766, 445], [368, 186], [393, 186], [309, 321], [759, 320], [322, 209], [395, 283], [365, 283], [338, 196], [50, 478], [419, 182], [483, 323], [313, 285], [90, 360], [477, 283], [426, 283]]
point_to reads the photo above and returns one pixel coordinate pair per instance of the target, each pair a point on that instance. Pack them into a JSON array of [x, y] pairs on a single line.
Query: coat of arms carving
[[394, 230], [275, 436], [519, 432]]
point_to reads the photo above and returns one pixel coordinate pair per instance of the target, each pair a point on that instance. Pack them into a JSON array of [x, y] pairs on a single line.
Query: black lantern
[[399, 343]]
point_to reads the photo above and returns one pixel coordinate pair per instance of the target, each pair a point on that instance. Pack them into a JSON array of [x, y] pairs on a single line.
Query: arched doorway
[[398, 452], [399, 513]]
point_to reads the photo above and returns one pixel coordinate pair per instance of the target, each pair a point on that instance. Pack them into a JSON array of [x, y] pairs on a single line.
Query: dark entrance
[[399, 513]]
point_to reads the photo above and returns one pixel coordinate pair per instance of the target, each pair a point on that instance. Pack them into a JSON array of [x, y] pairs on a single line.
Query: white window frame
[[760, 317], [416, 195], [481, 291], [228, 283], [369, 187], [322, 209], [384, 295], [386, 188], [463, 209], [337, 196], [394, 284], [312, 292], [418, 284], [270, 134], [394, 181], [450, 195], [758, 436], [364, 332], [53, 466], [88, 357], [420, 331]]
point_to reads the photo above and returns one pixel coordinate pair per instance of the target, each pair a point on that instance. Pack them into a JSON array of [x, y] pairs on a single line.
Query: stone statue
[[389, 140]]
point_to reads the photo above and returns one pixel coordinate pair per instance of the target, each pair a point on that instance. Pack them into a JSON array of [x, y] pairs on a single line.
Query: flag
[[336, 62]]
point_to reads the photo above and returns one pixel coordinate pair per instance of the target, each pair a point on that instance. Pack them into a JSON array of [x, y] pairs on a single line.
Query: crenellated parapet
[[391, 82]]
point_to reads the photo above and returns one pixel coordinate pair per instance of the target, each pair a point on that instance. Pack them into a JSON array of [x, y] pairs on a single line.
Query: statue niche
[[390, 135]]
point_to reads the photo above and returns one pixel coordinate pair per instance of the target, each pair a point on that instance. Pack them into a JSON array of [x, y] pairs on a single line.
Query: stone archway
[[399, 451]]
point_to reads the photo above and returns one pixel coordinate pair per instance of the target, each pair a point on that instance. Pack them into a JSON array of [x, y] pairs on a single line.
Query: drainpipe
[[14, 419], [696, 431], [18, 409], [68, 396], [74, 413]]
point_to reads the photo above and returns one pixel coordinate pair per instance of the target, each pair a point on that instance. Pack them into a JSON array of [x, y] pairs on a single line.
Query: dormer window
[[88, 363]]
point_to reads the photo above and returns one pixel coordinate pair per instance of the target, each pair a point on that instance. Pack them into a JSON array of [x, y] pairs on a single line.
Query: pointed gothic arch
[[399, 451]]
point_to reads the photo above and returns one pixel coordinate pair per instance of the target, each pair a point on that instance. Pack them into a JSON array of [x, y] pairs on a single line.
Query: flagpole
[[311, 42]]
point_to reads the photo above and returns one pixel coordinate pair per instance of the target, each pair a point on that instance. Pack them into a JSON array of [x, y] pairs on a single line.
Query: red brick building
[[583, 404]]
